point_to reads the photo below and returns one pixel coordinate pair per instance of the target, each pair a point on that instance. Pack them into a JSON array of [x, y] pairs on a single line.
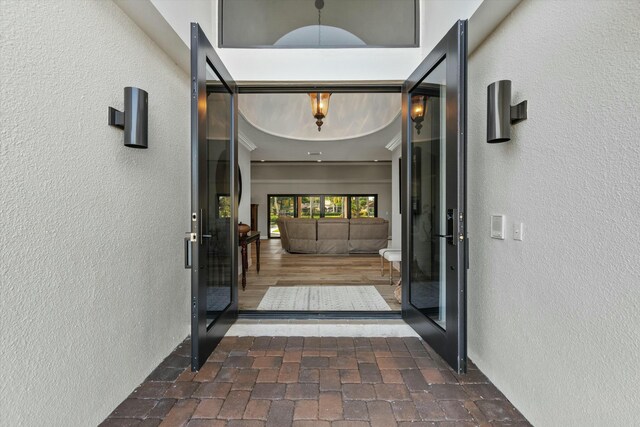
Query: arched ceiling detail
[[351, 115]]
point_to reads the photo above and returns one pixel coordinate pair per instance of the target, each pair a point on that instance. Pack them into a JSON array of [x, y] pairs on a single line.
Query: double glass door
[[434, 199], [434, 247]]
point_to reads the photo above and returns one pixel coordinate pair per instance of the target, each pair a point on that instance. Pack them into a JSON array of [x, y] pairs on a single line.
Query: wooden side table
[[245, 241]]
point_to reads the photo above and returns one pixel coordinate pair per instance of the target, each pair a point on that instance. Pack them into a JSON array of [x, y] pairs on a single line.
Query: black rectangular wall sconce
[[500, 113], [134, 119]]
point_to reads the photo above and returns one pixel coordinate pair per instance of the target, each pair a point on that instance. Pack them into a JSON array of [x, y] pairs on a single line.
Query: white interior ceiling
[[358, 126]]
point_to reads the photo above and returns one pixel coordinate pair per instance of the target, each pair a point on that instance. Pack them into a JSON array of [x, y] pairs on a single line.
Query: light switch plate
[[517, 231], [497, 227]]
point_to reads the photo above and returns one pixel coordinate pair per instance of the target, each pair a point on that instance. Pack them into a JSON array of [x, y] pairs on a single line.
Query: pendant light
[[319, 106], [319, 101]]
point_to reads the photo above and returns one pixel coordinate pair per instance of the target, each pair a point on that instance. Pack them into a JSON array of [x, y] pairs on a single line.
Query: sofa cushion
[[303, 246], [333, 236], [368, 235], [301, 228], [368, 228], [333, 228], [301, 235]]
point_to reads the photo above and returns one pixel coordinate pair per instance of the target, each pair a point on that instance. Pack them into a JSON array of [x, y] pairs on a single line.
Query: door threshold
[[314, 315]]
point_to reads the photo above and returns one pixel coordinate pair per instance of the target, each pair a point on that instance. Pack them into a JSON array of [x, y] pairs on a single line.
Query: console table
[[245, 241]]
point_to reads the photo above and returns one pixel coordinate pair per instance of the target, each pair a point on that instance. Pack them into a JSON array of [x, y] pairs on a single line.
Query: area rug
[[317, 298]]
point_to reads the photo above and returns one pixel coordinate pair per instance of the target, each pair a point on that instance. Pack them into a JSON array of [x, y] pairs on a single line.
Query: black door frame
[[205, 338], [450, 344]]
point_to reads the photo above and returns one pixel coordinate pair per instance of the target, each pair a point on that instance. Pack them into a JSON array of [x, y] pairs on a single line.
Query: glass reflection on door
[[428, 196], [217, 226]]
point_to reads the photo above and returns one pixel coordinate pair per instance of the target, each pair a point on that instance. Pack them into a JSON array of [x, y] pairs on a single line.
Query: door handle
[[187, 264], [446, 236]]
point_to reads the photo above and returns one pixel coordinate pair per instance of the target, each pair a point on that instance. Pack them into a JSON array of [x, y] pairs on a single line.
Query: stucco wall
[[93, 290], [554, 320]]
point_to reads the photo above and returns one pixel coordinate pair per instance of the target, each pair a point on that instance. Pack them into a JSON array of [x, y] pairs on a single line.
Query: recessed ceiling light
[[375, 160], [262, 161], [314, 153], [319, 161]]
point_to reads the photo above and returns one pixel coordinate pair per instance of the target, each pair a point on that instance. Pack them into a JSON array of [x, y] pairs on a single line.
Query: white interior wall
[[317, 178], [554, 320], [93, 289]]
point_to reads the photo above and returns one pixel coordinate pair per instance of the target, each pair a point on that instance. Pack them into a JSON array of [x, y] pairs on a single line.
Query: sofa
[[333, 235]]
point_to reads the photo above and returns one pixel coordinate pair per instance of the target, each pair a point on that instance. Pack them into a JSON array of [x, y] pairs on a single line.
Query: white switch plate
[[497, 227], [517, 231]]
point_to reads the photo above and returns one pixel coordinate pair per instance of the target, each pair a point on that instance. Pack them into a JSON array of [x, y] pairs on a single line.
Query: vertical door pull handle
[[187, 250]]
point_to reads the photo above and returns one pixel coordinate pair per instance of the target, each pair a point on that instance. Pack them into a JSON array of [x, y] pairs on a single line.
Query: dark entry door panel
[[434, 198], [214, 201]]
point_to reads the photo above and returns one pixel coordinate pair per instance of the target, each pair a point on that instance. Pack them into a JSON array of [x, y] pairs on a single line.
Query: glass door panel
[[434, 258], [335, 206], [216, 223], [214, 200], [363, 206], [428, 198], [309, 207]]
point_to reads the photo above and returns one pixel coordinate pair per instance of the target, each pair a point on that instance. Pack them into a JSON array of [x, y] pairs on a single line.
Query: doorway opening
[[324, 202]]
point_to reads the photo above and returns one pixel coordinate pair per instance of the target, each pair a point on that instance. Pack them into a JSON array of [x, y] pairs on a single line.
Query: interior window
[[319, 23]]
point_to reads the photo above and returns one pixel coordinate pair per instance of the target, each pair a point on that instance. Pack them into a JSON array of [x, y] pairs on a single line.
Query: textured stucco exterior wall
[[93, 290], [554, 321]]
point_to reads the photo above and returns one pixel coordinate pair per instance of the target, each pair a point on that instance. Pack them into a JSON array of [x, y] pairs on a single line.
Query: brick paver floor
[[337, 382]]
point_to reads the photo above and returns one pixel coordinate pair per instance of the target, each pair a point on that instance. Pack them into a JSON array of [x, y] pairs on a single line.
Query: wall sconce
[[134, 119], [500, 113], [418, 110]]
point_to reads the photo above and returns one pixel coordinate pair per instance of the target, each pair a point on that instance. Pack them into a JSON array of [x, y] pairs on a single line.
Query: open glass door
[[434, 198], [214, 200]]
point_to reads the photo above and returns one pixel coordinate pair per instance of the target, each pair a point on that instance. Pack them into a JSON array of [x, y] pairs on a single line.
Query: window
[[280, 206], [335, 207], [309, 207], [363, 206], [319, 206], [299, 24]]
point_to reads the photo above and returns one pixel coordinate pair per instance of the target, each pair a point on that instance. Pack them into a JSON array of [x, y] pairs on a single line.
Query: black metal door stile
[[434, 245], [214, 199]]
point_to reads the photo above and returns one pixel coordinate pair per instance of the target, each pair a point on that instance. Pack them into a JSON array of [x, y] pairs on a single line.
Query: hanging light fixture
[[319, 101], [418, 110], [319, 106]]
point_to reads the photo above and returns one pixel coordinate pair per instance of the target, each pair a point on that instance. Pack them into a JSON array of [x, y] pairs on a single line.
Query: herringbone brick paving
[[324, 382]]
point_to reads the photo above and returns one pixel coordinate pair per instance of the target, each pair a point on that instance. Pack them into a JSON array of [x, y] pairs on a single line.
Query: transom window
[[318, 23], [320, 206]]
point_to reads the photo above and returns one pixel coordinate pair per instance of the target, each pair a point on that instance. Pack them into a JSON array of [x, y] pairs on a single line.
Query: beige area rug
[[317, 298]]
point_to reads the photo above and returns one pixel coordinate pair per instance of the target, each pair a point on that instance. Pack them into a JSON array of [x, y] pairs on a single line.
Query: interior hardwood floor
[[284, 269]]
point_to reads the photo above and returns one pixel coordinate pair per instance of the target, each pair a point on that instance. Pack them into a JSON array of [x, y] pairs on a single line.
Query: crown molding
[[395, 142], [246, 142]]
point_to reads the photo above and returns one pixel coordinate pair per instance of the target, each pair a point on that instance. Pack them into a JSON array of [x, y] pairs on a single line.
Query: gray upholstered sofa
[[333, 235]]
